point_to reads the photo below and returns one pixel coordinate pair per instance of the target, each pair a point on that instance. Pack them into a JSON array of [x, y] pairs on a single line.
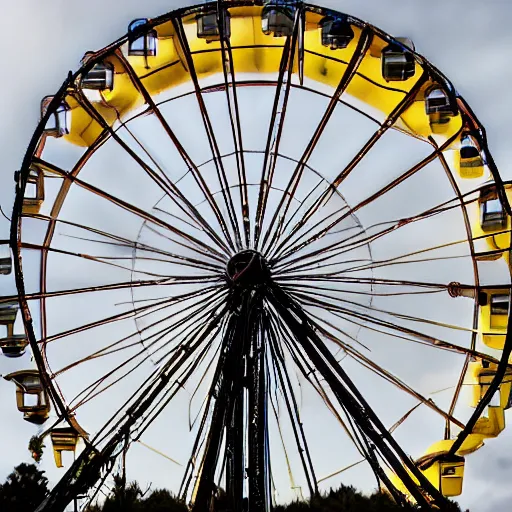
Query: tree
[[161, 500], [130, 498], [123, 498], [348, 499], [342, 499], [24, 489]]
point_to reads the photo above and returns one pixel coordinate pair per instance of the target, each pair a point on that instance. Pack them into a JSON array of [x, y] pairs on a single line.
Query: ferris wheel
[[267, 241]]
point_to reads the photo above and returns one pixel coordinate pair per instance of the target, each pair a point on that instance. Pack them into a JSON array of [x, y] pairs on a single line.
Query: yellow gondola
[[468, 160], [257, 37], [491, 223], [59, 122], [483, 373], [12, 345], [444, 471], [439, 109], [34, 192], [493, 316], [29, 388], [5, 261], [64, 439]]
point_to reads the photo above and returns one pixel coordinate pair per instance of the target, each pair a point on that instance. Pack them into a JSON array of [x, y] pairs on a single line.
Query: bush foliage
[[26, 487]]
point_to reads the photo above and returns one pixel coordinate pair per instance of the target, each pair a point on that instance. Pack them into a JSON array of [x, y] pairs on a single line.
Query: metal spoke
[[221, 173], [234, 116], [351, 398], [413, 170], [129, 207], [186, 158], [276, 125], [352, 242], [161, 180], [363, 44]]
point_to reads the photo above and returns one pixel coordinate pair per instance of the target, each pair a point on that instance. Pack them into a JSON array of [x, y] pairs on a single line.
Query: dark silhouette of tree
[[343, 499], [130, 498], [161, 500], [123, 498], [24, 489], [348, 499]]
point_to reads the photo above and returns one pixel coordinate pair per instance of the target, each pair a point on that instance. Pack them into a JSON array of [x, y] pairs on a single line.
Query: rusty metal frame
[[94, 463]]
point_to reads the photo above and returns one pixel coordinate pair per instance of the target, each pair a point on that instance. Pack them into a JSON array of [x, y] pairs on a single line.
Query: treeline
[[343, 499], [130, 498], [26, 487]]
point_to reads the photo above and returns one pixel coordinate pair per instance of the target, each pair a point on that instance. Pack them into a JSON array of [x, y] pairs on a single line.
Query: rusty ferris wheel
[[269, 239]]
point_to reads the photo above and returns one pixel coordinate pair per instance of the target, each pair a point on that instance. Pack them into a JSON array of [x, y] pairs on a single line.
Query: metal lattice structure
[[197, 225]]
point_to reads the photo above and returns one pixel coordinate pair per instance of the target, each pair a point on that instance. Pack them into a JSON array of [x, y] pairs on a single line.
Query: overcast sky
[[468, 40]]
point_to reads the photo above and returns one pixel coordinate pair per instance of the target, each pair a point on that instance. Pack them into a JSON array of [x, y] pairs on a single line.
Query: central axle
[[248, 269]]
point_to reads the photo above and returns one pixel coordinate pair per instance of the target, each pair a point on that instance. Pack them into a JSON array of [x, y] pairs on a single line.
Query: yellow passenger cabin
[[8, 313], [31, 397], [483, 373], [440, 109], [208, 26], [59, 121], [469, 162], [5, 260], [493, 317], [99, 77], [34, 192], [446, 473], [155, 57], [491, 224], [336, 32], [64, 439], [12, 345]]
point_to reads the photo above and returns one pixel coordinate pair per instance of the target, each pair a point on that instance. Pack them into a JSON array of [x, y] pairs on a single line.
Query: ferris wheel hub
[[248, 269]]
